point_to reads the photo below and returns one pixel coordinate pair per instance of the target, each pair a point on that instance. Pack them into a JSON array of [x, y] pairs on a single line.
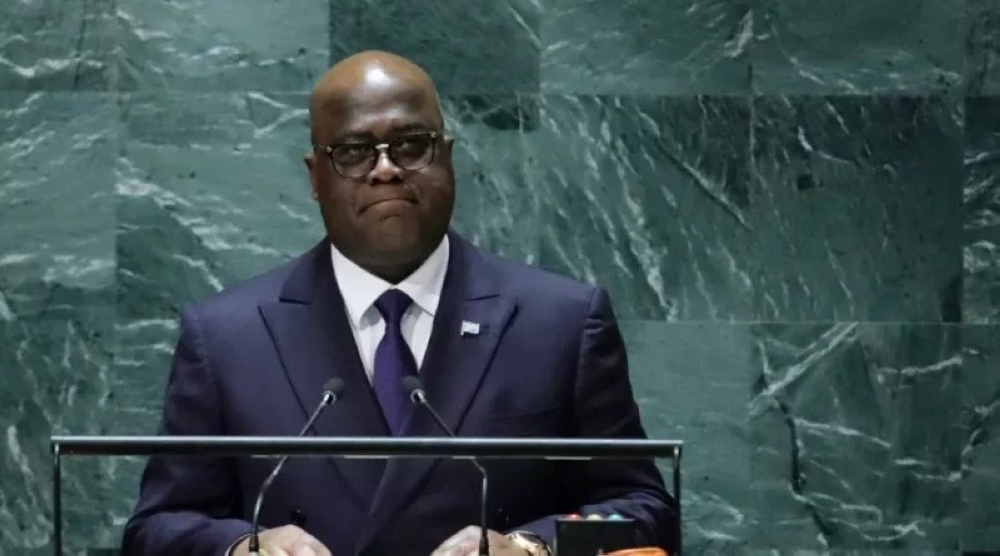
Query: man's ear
[[449, 142], [314, 179]]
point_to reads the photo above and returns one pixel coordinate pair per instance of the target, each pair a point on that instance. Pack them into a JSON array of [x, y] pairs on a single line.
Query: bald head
[[364, 79]]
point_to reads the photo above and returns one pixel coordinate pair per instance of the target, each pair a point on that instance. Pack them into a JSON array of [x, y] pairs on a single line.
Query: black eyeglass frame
[[382, 148]]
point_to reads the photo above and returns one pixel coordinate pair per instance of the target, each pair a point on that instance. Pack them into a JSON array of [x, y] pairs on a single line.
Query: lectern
[[359, 447]]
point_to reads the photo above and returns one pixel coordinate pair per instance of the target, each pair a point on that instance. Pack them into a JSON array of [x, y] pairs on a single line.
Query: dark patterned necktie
[[393, 360]]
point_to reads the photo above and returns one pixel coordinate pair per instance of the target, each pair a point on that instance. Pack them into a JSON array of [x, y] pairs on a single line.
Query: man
[[501, 348]]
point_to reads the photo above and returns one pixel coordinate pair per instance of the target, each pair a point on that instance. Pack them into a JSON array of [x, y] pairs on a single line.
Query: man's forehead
[[377, 114], [381, 98]]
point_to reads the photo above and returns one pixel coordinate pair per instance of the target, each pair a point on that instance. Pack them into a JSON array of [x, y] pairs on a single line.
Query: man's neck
[[393, 274]]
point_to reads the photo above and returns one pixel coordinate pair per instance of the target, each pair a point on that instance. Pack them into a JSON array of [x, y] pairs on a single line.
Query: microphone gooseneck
[[415, 391], [331, 392]]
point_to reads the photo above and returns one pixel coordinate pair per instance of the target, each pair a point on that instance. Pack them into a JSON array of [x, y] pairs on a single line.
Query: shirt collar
[[360, 288]]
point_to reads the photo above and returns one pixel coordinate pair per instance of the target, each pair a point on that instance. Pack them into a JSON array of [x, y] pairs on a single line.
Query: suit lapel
[[452, 371], [313, 337]]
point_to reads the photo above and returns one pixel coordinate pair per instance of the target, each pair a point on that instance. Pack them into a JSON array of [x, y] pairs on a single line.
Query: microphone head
[[334, 386], [413, 387]]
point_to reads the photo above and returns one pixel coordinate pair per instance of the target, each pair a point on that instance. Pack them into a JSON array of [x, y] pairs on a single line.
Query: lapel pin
[[470, 328]]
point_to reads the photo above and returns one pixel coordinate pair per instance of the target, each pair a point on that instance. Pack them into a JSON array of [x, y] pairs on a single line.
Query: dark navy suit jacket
[[548, 361]]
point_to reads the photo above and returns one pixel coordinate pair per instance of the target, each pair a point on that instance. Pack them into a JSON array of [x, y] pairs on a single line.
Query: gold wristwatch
[[530, 543]]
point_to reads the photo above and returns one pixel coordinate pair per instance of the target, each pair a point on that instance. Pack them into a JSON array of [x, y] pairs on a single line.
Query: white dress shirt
[[360, 289]]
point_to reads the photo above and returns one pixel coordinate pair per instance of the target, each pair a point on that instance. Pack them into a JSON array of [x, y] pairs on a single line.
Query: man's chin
[[398, 250]]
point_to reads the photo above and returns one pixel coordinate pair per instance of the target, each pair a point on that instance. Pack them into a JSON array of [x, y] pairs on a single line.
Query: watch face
[[537, 544], [530, 542]]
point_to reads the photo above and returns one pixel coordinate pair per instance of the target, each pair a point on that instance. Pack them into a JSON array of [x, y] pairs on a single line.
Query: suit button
[[298, 518]]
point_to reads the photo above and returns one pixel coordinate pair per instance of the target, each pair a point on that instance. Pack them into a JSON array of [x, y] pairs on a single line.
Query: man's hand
[[466, 543], [285, 541]]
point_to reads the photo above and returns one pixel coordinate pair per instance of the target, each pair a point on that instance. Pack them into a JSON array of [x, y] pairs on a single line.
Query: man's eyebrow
[[366, 136]]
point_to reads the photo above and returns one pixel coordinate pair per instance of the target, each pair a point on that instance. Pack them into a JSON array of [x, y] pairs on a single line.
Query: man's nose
[[385, 169]]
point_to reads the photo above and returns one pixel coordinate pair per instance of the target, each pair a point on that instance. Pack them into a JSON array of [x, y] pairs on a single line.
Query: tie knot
[[392, 304]]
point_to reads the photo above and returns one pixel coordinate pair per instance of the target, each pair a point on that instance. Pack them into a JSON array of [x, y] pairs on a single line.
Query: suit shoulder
[[245, 295]]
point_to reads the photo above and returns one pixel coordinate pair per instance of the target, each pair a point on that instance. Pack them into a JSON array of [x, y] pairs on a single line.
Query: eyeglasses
[[413, 151]]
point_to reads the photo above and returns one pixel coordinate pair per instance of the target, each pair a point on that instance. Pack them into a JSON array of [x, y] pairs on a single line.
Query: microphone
[[415, 390], [331, 392]]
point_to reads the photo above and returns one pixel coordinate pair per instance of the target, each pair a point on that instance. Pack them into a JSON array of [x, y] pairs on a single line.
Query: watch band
[[530, 543]]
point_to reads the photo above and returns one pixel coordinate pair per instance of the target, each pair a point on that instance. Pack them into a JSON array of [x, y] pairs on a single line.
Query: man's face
[[387, 208]]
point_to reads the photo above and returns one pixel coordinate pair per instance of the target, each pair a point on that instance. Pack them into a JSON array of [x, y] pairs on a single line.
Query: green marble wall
[[793, 202]]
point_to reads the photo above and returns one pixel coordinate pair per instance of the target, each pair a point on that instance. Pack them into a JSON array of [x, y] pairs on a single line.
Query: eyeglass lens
[[411, 152]]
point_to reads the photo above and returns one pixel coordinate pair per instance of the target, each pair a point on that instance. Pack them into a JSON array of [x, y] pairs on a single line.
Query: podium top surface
[[368, 447]]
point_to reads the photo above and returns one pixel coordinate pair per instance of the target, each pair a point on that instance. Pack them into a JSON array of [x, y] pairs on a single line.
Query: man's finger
[[304, 550], [465, 548], [319, 549], [460, 543], [308, 545]]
